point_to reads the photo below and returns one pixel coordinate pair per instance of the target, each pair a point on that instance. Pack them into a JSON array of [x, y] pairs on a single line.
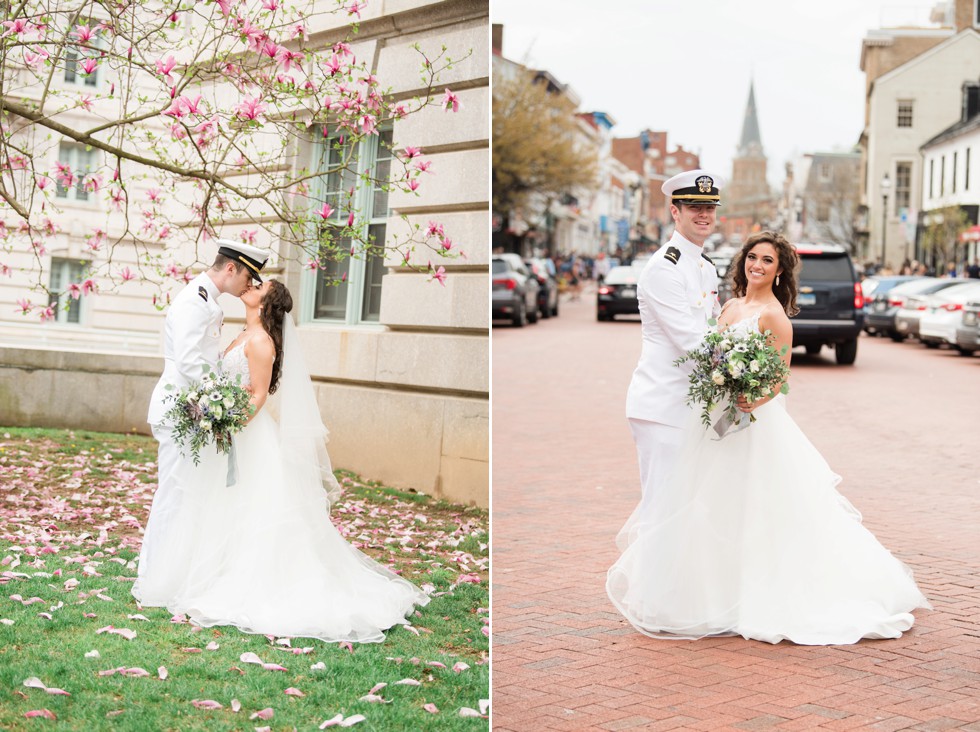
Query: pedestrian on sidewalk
[[678, 295]]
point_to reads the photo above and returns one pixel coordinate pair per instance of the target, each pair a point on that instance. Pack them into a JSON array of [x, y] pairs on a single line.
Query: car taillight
[[509, 283], [858, 296], [605, 290], [897, 301], [952, 307]]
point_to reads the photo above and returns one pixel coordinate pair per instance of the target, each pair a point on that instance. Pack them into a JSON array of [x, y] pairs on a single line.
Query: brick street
[[900, 427]]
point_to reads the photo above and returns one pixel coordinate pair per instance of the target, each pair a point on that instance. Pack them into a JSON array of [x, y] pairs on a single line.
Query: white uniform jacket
[[678, 294], [192, 338]]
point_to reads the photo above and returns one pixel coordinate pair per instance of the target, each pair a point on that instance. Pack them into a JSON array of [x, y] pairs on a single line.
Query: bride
[[265, 556], [750, 536]]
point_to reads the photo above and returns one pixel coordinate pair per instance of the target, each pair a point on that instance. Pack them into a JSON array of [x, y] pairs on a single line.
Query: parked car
[[617, 294], [876, 285], [968, 331], [880, 313], [514, 290], [938, 323], [546, 274], [908, 315], [831, 302]]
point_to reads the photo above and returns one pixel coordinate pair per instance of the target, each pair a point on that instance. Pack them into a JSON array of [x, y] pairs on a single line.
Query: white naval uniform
[[676, 302], [192, 336]]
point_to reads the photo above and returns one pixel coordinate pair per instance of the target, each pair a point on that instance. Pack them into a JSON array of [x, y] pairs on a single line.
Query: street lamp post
[[886, 184]]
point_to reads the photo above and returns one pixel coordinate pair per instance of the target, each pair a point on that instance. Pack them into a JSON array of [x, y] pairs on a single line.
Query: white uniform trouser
[[167, 543], [657, 446]]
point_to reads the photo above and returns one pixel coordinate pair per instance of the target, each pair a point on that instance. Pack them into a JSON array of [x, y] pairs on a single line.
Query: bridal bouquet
[[209, 411], [728, 365]]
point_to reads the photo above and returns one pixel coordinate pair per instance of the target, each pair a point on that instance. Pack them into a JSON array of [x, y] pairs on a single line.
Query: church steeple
[[751, 142]]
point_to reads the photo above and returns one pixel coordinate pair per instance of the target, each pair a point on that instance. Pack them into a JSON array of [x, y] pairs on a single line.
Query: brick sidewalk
[[565, 479]]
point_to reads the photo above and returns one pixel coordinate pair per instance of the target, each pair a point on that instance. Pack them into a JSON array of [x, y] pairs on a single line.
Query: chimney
[[971, 100], [963, 14], [497, 39]]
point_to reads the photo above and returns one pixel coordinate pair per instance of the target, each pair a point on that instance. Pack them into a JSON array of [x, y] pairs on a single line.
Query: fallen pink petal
[[263, 714], [431, 708], [206, 704], [46, 713]]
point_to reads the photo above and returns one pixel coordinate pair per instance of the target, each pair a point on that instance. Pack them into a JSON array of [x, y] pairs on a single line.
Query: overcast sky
[[685, 67]]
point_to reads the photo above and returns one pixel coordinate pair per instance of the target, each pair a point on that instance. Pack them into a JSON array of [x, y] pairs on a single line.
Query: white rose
[[218, 412], [766, 391], [193, 396], [716, 376], [754, 367], [726, 344], [206, 424], [228, 402]]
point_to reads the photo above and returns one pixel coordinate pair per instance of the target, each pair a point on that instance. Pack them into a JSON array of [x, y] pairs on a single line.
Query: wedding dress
[[266, 557], [750, 537]]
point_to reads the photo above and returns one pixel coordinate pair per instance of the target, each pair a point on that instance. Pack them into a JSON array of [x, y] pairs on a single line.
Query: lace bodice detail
[[745, 325], [235, 362]]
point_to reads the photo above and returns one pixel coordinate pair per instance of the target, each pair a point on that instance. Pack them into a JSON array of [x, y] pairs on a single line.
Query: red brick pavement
[[900, 427]]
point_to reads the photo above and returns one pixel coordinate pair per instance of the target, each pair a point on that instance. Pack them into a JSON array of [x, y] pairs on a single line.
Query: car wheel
[[520, 317], [812, 349], [897, 337], [601, 317], [532, 315], [846, 352], [930, 344], [964, 351], [543, 310], [554, 310]]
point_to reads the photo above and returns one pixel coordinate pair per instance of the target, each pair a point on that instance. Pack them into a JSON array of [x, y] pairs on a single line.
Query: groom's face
[[240, 282]]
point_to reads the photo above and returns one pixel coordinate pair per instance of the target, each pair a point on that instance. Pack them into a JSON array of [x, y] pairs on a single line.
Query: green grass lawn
[[72, 505]]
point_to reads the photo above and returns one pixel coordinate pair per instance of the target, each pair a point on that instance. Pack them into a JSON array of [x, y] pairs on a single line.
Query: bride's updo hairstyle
[[276, 303], [789, 262]]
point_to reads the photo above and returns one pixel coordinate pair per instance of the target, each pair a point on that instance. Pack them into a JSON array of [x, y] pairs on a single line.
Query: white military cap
[[252, 257], [694, 187]]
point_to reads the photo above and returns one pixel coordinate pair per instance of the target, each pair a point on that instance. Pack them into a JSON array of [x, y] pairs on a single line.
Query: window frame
[[905, 113], [903, 185], [77, 193], [360, 270], [65, 267]]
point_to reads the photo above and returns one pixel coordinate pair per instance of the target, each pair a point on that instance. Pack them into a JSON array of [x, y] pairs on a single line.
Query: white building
[[401, 363], [908, 105], [951, 169]]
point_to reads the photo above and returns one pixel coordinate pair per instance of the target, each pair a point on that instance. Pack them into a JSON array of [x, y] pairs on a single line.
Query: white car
[[944, 313]]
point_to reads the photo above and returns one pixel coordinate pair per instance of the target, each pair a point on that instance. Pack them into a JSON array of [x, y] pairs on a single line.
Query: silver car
[[514, 291]]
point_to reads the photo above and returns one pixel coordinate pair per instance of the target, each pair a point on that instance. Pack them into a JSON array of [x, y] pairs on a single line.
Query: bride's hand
[[746, 406]]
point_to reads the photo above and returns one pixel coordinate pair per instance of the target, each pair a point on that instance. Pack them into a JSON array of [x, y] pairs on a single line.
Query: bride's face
[[252, 298], [762, 264]]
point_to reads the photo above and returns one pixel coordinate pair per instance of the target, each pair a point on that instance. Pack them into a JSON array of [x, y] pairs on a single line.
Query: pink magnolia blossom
[[250, 109], [342, 48], [25, 306], [74, 290], [399, 111], [93, 182], [225, 6], [270, 49], [447, 244], [435, 230], [288, 59], [127, 274], [83, 33], [165, 66], [326, 211], [42, 182], [18, 162], [272, 5], [117, 197], [35, 57], [64, 176], [312, 265], [154, 195], [253, 34], [299, 31], [355, 8], [450, 101], [438, 274], [248, 236], [15, 27], [85, 102], [89, 65], [47, 314], [89, 286], [413, 184], [191, 106], [350, 219], [423, 166], [412, 152], [333, 65], [368, 124], [5, 270], [177, 132]]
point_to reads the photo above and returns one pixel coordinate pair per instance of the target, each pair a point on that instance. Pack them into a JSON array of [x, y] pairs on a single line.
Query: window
[[953, 182], [932, 175], [903, 185], [348, 289], [966, 167], [904, 113], [76, 55], [824, 171], [81, 162], [64, 272], [942, 175]]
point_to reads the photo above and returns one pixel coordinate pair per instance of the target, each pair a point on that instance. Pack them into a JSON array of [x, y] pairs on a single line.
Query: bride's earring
[[777, 284]]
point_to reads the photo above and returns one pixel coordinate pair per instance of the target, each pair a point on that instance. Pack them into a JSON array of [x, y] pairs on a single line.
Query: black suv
[[831, 302]]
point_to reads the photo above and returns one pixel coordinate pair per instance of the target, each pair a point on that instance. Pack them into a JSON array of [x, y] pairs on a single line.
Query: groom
[[678, 294], [192, 336]]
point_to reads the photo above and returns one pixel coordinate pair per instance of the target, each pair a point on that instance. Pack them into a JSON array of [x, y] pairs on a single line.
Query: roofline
[[925, 54]]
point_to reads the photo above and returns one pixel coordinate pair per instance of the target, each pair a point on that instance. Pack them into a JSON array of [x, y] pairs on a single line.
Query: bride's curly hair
[[276, 303], [789, 263]]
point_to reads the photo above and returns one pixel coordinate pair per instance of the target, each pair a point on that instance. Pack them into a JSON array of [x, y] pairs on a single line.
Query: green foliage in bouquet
[[208, 411], [728, 365]]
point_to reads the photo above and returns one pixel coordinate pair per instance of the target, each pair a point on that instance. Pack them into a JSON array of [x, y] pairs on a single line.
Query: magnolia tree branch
[[175, 120]]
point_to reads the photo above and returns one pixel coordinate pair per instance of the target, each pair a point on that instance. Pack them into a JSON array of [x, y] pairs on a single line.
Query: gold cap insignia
[[705, 184]]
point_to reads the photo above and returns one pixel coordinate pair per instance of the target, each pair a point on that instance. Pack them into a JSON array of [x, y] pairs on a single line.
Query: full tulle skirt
[[267, 559], [749, 536]]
